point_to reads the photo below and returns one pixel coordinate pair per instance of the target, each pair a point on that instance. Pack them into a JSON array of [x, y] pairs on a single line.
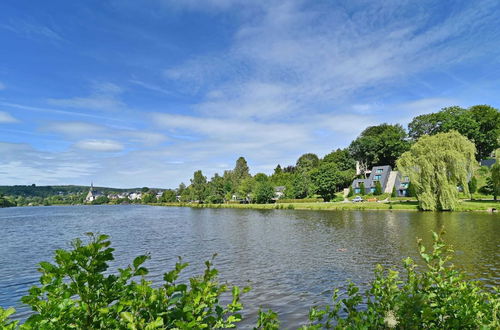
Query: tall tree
[[479, 123], [241, 170], [342, 158], [495, 176], [199, 186], [380, 145], [326, 179], [216, 192], [437, 165], [307, 162]]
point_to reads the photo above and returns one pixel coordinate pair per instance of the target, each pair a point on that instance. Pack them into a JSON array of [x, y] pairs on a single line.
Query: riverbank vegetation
[[439, 152], [78, 291]]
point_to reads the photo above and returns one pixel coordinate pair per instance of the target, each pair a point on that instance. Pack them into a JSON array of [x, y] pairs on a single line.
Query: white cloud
[[5, 117], [99, 145], [2, 86], [73, 128], [104, 96]]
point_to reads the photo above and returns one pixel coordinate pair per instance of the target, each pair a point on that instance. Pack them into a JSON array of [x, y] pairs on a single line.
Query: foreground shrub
[[76, 293], [439, 297]]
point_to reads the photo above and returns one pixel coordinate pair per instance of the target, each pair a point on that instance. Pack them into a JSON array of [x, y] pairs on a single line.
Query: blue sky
[[142, 93]]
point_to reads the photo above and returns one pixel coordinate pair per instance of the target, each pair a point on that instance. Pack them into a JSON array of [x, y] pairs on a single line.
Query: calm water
[[292, 259]]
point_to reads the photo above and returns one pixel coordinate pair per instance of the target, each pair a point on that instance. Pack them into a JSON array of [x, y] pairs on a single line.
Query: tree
[[144, 189], [216, 191], [487, 136], [472, 186], [168, 196], [241, 170], [380, 145], [307, 162], [181, 188], [362, 188], [199, 186], [378, 189], [437, 165], [148, 198], [495, 176], [342, 158], [351, 192], [394, 193], [263, 192], [326, 179], [479, 123]]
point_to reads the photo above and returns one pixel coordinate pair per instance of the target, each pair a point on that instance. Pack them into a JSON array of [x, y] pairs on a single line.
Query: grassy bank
[[466, 206]]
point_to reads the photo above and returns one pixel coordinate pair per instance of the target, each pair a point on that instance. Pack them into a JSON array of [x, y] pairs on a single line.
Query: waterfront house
[[388, 179]]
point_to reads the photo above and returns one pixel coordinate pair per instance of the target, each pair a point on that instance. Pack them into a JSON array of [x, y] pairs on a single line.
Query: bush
[[438, 298], [301, 200], [76, 292]]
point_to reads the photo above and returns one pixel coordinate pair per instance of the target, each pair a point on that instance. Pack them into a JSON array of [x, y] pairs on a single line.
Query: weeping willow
[[437, 165]]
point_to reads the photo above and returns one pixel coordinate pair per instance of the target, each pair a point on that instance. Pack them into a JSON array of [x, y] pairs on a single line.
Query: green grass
[[465, 206]]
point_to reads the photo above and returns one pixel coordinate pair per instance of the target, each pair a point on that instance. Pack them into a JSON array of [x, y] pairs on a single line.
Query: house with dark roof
[[388, 180]]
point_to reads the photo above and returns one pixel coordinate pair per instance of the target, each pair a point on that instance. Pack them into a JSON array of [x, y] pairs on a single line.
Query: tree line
[[382, 144]]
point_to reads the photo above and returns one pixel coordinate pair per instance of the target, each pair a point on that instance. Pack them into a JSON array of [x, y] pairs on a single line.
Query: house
[[92, 194], [388, 179], [279, 192], [135, 195]]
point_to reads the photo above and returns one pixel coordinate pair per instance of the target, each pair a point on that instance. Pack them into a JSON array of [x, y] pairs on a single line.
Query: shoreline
[[469, 206], [466, 206]]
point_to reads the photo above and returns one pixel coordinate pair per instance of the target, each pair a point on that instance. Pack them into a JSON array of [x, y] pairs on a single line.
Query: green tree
[[241, 170], [378, 189], [168, 196], [362, 188], [472, 186], [437, 165], [181, 189], [216, 191], [479, 123], [148, 198], [342, 158], [495, 176], [380, 145], [351, 192], [144, 189], [394, 193], [326, 179], [199, 186], [263, 192], [307, 162]]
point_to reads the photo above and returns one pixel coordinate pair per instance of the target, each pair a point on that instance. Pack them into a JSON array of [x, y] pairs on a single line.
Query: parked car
[[358, 199]]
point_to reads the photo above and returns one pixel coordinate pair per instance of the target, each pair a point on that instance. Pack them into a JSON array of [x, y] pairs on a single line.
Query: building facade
[[388, 179]]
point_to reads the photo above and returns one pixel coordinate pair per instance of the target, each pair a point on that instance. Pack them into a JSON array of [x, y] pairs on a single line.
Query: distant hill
[[45, 191]]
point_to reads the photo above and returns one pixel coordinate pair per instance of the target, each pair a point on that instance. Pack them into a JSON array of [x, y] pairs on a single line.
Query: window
[[406, 179], [357, 190], [380, 170], [378, 177], [372, 190], [404, 185]]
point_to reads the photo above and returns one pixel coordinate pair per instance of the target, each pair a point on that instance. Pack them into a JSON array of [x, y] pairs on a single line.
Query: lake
[[292, 259]]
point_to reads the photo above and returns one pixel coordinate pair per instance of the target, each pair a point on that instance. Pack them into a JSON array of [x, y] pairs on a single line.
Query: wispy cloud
[[2, 86], [99, 145], [5, 117], [104, 96], [31, 30]]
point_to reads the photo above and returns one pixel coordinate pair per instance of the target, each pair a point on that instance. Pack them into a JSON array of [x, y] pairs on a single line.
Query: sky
[[129, 93]]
